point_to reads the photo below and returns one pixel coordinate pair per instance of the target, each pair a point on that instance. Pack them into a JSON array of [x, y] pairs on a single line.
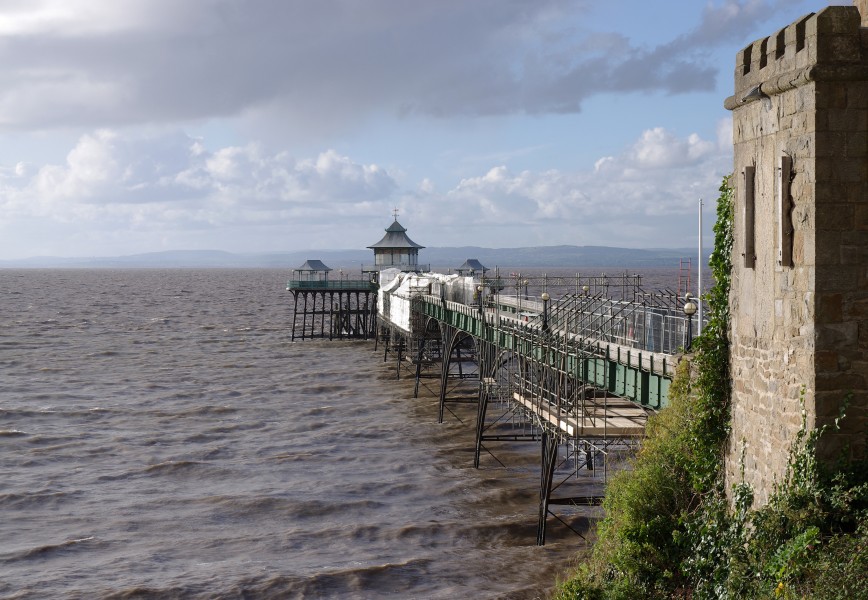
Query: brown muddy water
[[160, 436]]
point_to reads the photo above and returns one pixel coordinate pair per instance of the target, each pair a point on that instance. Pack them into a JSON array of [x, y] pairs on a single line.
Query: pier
[[574, 364]]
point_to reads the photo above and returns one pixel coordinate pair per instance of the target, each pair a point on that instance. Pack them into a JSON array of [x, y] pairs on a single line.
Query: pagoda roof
[[471, 264], [313, 265], [396, 237]]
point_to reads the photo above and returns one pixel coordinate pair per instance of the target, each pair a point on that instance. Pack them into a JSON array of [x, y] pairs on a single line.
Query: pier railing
[[332, 284], [644, 325]]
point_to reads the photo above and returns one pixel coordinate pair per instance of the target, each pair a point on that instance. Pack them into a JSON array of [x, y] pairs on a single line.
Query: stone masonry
[[799, 299]]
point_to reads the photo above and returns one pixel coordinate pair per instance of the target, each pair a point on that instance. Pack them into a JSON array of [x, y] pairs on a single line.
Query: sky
[[256, 126]]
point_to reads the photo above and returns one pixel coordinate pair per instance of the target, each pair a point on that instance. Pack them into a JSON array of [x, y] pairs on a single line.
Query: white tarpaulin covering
[[396, 290]]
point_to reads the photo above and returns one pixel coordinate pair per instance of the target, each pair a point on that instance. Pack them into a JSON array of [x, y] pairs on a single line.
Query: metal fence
[[332, 284], [653, 324]]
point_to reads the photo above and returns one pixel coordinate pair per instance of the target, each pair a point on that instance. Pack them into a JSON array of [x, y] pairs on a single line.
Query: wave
[[173, 467], [410, 578], [440, 535], [12, 433], [47, 498], [143, 592], [48, 550], [203, 411], [271, 506], [294, 456], [319, 410], [205, 470], [41, 441]]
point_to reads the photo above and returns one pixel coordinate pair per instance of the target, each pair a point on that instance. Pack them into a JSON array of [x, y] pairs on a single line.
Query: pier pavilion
[[471, 267], [346, 306], [396, 251], [334, 308]]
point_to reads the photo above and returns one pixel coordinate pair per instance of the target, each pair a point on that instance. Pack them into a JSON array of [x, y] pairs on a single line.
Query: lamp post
[[689, 311], [479, 289], [545, 299]]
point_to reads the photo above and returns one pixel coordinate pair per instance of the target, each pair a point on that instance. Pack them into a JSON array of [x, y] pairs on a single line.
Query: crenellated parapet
[[826, 46]]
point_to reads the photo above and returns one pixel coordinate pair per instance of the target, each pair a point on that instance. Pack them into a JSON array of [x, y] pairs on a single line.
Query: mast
[[699, 274]]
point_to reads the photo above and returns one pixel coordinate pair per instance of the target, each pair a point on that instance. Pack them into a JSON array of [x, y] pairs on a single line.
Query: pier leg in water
[[419, 356], [549, 458], [448, 342], [444, 378], [400, 355], [481, 410], [487, 356]]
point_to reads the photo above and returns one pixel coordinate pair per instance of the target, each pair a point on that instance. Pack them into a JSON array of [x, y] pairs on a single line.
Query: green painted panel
[[630, 383], [620, 379], [654, 391], [644, 387], [620, 373]]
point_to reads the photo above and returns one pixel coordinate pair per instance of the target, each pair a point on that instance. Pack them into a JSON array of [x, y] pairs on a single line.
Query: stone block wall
[[799, 299]]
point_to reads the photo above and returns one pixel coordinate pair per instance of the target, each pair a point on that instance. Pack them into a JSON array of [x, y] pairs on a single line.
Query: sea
[[161, 436]]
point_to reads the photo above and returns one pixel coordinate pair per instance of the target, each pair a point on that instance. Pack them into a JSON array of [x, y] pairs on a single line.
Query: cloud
[[320, 66], [658, 148], [640, 198], [171, 181], [120, 194]]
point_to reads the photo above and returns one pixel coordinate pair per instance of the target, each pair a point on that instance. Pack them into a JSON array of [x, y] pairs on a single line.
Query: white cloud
[[603, 163], [95, 17], [118, 190], [640, 198], [659, 148], [426, 186], [173, 181]]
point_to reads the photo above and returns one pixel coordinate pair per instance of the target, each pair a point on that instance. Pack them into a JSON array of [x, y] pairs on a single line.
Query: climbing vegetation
[[671, 531]]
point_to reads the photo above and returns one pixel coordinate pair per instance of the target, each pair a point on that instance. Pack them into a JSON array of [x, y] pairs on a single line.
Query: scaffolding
[[542, 389], [558, 373]]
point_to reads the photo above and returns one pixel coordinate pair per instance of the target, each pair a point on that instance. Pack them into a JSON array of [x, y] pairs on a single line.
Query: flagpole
[[699, 283]]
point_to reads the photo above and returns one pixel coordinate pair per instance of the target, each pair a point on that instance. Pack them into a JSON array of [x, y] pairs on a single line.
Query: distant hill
[[441, 258], [560, 256]]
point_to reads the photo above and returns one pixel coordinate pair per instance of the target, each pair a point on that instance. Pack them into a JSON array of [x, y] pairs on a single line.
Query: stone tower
[[799, 298]]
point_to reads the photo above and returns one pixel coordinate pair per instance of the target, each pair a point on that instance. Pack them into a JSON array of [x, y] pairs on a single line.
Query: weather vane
[[395, 213]]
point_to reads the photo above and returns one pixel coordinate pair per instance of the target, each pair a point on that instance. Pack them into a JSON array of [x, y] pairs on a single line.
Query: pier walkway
[[579, 373]]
